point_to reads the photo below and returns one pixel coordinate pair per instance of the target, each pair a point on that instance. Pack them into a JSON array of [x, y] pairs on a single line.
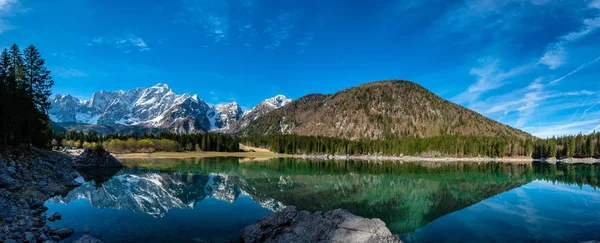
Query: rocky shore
[[290, 225], [29, 177]]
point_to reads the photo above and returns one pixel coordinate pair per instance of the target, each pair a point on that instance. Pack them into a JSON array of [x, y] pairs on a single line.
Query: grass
[[249, 153]]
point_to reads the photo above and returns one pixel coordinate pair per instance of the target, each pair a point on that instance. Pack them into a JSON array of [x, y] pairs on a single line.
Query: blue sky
[[532, 64]]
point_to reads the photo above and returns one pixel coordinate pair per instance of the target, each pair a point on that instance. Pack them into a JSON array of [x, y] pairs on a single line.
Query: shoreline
[[452, 159], [262, 156]]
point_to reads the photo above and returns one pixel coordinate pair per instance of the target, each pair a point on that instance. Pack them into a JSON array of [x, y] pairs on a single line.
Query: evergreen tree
[[24, 91], [589, 147]]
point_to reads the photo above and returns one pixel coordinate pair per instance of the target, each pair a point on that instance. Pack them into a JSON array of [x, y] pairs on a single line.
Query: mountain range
[[157, 108], [376, 110]]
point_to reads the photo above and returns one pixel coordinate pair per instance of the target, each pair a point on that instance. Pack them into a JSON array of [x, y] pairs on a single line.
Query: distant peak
[[161, 85], [195, 97], [278, 100]]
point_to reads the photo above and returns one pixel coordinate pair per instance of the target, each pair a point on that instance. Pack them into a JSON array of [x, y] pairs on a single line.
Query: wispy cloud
[[128, 42], [304, 42], [565, 128], [487, 18], [589, 26], [280, 28], [67, 72], [581, 67], [489, 77], [554, 57], [8, 8], [528, 102], [211, 15]]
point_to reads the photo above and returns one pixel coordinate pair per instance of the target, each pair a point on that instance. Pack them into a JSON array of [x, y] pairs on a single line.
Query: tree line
[[580, 146], [167, 142], [25, 85]]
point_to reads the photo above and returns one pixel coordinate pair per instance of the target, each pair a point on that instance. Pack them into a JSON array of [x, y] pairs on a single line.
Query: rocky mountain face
[[157, 107], [378, 110], [230, 113]]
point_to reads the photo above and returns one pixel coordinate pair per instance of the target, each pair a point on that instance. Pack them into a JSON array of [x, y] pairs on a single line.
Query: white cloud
[[280, 28], [589, 26], [126, 42], [595, 4], [554, 57]]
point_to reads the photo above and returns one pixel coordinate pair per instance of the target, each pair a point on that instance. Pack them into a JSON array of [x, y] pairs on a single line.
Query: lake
[[211, 200]]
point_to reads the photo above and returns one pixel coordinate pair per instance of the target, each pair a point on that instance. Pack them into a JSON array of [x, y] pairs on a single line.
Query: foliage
[[450, 145], [147, 143]]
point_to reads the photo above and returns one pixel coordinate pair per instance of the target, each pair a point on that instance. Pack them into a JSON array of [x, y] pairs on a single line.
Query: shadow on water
[[407, 196], [98, 175]]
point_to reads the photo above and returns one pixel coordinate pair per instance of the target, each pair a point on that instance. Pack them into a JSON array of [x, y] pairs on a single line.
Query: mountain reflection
[[406, 196]]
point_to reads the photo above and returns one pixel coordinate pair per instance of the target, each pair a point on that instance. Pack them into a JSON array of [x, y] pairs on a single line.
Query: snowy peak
[[267, 106], [277, 101], [259, 110], [230, 113]]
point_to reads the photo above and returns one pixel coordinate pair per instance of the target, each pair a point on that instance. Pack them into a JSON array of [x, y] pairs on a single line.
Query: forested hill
[[378, 110]]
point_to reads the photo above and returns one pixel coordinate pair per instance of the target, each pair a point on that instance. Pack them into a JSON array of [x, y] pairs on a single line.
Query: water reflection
[[407, 196]]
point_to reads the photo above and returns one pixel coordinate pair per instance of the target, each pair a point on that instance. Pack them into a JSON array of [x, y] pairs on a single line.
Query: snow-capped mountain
[[262, 108], [230, 113], [156, 107]]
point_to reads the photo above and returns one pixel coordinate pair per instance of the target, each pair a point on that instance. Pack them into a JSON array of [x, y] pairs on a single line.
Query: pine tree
[[589, 147], [38, 78]]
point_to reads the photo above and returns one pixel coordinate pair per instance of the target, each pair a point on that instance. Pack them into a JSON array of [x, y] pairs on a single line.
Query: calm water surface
[[210, 200]]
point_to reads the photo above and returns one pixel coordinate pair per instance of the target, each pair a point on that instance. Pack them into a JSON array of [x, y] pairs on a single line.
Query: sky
[[533, 65]]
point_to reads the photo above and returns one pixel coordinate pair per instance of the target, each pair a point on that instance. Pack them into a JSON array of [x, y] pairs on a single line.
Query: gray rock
[[97, 158], [62, 233], [6, 181], [30, 237], [55, 216], [290, 225], [88, 239]]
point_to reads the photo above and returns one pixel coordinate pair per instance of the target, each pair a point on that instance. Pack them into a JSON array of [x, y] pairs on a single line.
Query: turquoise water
[[211, 200]]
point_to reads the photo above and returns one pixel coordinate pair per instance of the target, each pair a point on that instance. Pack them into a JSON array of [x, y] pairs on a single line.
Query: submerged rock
[[97, 158], [290, 225], [88, 239]]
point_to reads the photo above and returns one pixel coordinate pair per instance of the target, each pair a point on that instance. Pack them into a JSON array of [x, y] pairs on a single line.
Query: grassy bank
[[247, 152]]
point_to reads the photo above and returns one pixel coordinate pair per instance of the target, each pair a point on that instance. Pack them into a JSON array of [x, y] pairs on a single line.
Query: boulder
[[61, 234], [97, 157], [290, 225], [55, 216], [88, 239]]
